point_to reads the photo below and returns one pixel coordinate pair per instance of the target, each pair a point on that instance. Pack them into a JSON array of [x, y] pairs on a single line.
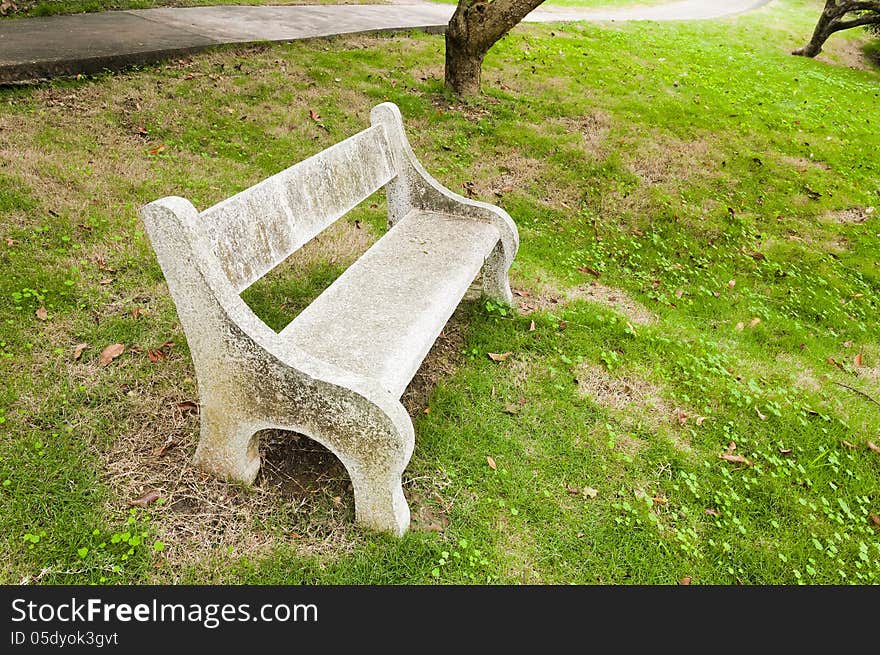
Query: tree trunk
[[832, 20], [463, 69], [475, 27], [820, 34]]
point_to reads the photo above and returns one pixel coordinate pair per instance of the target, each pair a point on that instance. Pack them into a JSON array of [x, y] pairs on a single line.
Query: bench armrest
[[415, 188]]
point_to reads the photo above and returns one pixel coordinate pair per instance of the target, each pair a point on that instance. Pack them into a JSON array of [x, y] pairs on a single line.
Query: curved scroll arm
[[415, 188]]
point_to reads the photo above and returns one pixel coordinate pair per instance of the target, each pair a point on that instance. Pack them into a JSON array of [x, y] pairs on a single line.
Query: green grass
[[671, 159]]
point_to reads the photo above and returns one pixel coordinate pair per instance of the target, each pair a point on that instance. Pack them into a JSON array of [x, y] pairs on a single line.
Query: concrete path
[[35, 48]]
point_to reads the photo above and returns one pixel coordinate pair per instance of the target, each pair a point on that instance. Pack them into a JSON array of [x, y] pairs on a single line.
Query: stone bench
[[337, 371]]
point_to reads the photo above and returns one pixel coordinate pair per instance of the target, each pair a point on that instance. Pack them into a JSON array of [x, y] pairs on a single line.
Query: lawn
[[695, 359]]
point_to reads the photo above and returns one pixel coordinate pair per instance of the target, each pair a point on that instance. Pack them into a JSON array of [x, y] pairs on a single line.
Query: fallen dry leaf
[[499, 357], [589, 271], [78, 350], [155, 150], [111, 352], [574, 491], [681, 417], [736, 459], [700, 420], [754, 322], [188, 407], [679, 293], [157, 355], [731, 446], [165, 447], [314, 115], [712, 512], [757, 256], [875, 519], [785, 451], [106, 281], [684, 581], [848, 445], [7, 7], [491, 463], [511, 408], [532, 326], [731, 284], [857, 360], [847, 344], [10, 241], [589, 492], [873, 447], [146, 499], [740, 326], [760, 415], [41, 314]]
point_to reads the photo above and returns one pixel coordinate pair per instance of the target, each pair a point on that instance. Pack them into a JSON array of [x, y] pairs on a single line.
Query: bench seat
[[382, 315]]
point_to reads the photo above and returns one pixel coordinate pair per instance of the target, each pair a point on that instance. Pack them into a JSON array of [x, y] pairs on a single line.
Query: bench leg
[[227, 446], [379, 501], [496, 285]]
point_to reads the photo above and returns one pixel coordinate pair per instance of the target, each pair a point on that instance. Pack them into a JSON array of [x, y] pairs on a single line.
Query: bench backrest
[[255, 230]]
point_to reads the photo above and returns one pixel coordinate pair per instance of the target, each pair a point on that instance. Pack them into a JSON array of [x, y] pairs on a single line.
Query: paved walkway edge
[[32, 72], [34, 49]]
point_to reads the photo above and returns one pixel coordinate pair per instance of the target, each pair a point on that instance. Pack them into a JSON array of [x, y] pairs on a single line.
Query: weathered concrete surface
[[36, 48], [337, 372], [33, 48], [396, 298]]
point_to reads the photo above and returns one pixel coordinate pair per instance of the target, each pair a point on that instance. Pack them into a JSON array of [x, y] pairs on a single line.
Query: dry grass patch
[[851, 215], [664, 159], [616, 299], [802, 164], [540, 294], [593, 129], [803, 377], [636, 403], [621, 392], [638, 399], [340, 244], [519, 549], [508, 172], [847, 51]]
